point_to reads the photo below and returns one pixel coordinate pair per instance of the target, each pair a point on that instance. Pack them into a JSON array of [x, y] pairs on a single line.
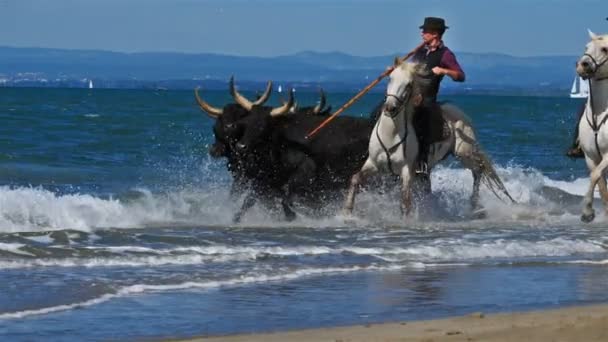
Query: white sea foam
[[459, 250], [243, 280], [588, 262], [438, 250], [37, 209], [14, 248], [44, 239]]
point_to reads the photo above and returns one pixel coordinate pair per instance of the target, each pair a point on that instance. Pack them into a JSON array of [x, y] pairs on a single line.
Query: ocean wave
[[27, 209], [433, 251], [242, 280]]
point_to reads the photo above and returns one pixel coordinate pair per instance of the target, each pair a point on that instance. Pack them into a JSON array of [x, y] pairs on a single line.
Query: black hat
[[434, 24]]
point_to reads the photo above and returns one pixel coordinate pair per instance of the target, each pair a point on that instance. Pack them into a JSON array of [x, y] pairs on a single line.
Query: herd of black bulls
[[270, 158]]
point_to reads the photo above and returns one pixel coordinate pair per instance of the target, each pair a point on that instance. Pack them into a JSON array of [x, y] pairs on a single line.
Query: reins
[[388, 150], [593, 123]]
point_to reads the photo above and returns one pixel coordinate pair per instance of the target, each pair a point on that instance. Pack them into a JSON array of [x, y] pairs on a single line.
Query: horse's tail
[[489, 176]]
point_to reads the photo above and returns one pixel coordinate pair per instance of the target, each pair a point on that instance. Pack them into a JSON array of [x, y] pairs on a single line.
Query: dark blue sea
[[116, 224]]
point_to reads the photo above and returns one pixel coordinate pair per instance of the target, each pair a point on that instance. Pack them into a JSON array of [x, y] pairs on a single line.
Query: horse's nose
[[585, 65]]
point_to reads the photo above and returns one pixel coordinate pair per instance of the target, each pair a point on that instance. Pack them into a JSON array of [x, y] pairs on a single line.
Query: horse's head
[[593, 63], [403, 87]]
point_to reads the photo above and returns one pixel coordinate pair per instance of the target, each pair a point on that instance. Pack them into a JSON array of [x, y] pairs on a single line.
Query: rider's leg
[[422, 133], [575, 150]]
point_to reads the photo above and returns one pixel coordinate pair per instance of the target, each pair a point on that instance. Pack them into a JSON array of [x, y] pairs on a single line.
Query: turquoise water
[[116, 224]]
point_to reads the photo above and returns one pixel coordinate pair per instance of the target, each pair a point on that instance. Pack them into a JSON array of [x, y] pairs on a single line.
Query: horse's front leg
[[597, 173], [356, 181], [406, 190]]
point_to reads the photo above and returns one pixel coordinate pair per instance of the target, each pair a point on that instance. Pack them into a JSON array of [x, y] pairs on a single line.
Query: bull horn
[[318, 108], [285, 107], [240, 99], [293, 108], [209, 109], [264, 96]]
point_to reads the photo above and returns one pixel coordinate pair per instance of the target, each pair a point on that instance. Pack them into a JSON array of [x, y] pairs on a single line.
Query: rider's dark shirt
[[441, 57]]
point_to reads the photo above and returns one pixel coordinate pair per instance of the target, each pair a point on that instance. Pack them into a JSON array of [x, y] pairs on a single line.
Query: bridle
[[596, 65], [401, 101]]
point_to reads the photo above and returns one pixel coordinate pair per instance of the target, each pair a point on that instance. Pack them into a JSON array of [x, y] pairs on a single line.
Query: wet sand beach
[[580, 323]]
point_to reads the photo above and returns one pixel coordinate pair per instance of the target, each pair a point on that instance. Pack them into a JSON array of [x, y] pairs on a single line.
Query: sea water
[[115, 224]]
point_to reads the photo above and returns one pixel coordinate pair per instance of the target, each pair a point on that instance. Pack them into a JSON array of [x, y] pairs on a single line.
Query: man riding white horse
[[393, 146], [439, 61]]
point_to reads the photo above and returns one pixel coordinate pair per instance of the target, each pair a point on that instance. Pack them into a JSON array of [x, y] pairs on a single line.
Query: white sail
[[573, 90], [280, 89], [90, 84], [584, 87]]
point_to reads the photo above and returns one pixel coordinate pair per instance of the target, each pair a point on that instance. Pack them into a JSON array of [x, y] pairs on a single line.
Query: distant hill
[[484, 71]]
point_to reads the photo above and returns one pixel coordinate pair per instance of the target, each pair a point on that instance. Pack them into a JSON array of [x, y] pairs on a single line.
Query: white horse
[[393, 145], [592, 132]]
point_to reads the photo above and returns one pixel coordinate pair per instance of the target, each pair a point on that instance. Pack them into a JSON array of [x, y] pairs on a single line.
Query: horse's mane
[[418, 72], [410, 67]]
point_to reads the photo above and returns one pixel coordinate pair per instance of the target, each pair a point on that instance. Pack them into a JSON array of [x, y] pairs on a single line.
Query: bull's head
[[226, 130], [215, 112], [258, 124]]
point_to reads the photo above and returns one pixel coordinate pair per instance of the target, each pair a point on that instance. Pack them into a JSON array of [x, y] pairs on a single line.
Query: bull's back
[[339, 149]]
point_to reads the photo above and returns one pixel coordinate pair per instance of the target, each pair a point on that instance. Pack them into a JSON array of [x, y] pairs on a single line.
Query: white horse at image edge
[[592, 131]]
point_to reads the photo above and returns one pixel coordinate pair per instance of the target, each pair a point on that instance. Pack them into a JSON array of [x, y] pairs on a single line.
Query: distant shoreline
[[578, 323], [333, 71]]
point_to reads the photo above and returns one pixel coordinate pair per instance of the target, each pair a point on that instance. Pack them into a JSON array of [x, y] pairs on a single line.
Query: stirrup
[[423, 168]]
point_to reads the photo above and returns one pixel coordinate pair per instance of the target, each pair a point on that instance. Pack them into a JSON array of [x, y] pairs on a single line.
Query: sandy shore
[[581, 323]]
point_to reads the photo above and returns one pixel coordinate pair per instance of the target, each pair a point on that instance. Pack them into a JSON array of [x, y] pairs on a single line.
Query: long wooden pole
[[361, 93]]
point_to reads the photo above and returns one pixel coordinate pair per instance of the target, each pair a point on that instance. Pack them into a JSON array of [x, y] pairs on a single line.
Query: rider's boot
[[423, 152], [575, 151]]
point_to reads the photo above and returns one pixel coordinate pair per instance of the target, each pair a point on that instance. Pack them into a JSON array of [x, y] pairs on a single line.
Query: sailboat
[[581, 90], [90, 84]]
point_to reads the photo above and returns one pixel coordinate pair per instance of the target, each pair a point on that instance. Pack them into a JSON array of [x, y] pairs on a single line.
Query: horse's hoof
[[588, 217]]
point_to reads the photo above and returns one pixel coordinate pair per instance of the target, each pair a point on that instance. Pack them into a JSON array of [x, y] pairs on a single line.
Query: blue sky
[[279, 27]]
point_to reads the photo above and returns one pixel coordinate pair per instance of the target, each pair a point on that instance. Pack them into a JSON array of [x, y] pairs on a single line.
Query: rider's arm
[[449, 66]]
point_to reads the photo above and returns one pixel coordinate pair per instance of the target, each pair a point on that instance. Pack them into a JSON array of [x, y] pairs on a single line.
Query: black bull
[[266, 148]]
